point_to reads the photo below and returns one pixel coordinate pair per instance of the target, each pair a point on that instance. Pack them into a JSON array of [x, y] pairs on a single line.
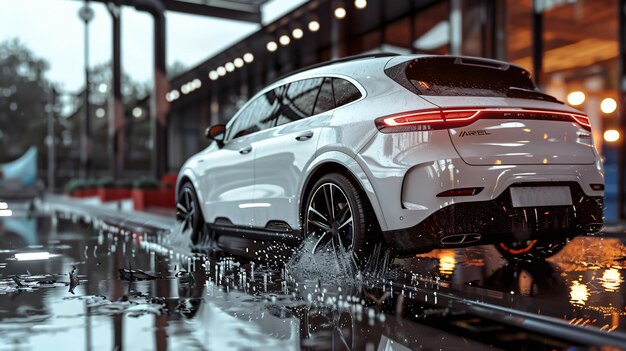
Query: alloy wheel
[[186, 209], [330, 219]]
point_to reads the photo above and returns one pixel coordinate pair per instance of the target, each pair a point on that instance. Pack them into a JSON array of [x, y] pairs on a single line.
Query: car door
[[284, 152], [229, 174]]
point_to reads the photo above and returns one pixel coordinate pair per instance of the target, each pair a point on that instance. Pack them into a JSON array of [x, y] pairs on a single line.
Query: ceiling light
[[611, 135], [229, 66], [608, 105], [221, 71], [340, 12], [297, 33], [575, 98], [238, 62], [314, 26], [284, 40], [360, 4], [248, 57], [272, 46], [213, 75], [196, 83]]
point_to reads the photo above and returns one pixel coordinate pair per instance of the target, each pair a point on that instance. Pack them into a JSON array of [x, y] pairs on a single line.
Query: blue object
[[23, 169]]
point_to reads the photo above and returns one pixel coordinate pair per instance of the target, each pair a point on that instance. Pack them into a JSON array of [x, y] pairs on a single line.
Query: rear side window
[[299, 100], [451, 76], [344, 92], [325, 100]]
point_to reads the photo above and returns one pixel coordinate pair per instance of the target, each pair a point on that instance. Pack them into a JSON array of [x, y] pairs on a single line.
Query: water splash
[[326, 265]]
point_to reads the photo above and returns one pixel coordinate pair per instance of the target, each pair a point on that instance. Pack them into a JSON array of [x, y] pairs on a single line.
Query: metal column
[[159, 106], [537, 30], [117, 121]]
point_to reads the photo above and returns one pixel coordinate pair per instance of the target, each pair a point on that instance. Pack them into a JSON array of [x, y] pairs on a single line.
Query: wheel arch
[[187, 176], [340, 163]]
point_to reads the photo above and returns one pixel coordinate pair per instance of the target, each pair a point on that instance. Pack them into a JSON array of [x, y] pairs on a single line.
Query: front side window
[[256, 116]]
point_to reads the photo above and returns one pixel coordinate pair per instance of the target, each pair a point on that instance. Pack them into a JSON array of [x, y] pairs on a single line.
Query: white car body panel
[[280, 162]]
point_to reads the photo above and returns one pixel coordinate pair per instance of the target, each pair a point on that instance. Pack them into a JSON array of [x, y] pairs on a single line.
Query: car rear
[[504, 161]]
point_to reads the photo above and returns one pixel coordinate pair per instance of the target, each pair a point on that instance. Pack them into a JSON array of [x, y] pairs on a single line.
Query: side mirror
[[216, 132]]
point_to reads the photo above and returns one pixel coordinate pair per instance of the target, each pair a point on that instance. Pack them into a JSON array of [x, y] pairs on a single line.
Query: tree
[[25, 98]]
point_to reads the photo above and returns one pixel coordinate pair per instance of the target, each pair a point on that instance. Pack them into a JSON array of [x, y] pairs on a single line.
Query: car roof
[[362, 66]]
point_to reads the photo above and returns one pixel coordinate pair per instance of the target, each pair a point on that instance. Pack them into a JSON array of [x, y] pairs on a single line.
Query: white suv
[[413, 152]]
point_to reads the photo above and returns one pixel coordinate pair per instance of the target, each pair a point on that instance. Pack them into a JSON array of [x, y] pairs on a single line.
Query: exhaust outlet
[[456, 239]]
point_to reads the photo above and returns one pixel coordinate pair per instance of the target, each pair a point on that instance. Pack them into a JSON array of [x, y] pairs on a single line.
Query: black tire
[[188, 212], [359, 236], [530, 250]]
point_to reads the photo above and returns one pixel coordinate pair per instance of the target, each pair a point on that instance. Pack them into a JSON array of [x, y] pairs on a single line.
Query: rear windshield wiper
[[530, 94]]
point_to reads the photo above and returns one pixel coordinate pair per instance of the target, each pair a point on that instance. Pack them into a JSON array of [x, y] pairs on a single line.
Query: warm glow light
[[575, 98], [314, 26], [611, 280], [340, 12], [578, 294], [447, 261], [611, 135], [297, 33], [229, 66], [272, 46], [238, 62], [284, 40], [608, 105], [221, 71], [360, 4], [248, 57], [30, 256], [213, 75]]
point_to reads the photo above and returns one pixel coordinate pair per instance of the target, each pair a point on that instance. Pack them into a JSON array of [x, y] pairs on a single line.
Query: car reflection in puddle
[[210, 300]]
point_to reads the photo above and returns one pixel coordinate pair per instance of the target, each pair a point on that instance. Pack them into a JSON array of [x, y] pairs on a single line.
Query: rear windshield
[[452, 76]]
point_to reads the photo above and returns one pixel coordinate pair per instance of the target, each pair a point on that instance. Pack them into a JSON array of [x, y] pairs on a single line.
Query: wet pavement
[[71, 280]]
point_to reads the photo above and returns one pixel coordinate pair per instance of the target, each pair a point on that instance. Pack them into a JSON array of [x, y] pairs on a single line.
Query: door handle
[[245, 150], [305, 136]]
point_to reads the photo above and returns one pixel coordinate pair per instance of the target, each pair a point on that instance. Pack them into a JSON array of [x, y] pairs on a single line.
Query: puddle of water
[[204, 298]]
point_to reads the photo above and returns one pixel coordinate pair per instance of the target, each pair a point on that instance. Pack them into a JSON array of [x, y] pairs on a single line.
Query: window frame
[[285, 83]]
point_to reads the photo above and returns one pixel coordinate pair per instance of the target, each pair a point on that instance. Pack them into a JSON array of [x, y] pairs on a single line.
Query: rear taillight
[[444, 119]]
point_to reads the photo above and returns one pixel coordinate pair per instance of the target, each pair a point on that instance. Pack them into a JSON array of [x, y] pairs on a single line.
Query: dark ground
[[179, 298]]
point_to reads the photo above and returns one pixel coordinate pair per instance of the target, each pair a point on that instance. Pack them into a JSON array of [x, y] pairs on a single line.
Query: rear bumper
[[494, 221]]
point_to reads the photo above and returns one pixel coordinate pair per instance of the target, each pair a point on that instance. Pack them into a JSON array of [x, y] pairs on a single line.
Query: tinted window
[[470, 77], [344, 92], [325, 100], [258, 115], [299, 100]]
